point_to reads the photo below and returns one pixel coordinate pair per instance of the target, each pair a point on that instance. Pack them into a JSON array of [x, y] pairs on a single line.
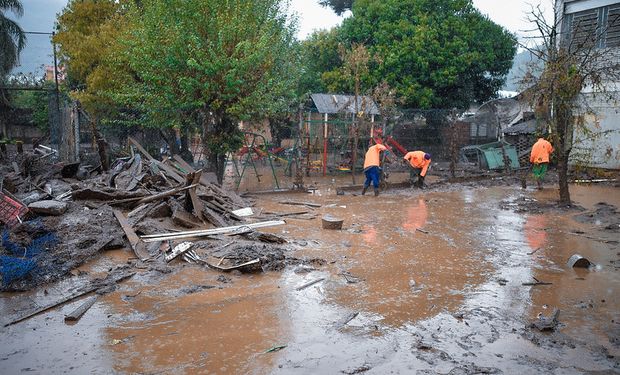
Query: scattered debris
[[274, 349], [344, 321], [547, 323], [309, 204], [77, 313], [331, 222], [577, 261], [304, 286]]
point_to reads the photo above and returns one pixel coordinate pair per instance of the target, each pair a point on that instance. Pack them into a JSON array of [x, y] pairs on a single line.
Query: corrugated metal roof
[[526, 127], [335, 103]]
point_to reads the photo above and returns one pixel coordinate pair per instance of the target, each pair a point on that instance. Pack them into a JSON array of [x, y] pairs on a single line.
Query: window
[[612, 29], [597, 27]]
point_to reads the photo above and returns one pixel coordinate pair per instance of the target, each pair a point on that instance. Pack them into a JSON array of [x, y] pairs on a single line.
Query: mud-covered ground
[[426, 282]]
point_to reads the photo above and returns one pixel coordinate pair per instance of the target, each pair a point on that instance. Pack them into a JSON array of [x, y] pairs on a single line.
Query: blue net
[[23, 259], [12, 268]]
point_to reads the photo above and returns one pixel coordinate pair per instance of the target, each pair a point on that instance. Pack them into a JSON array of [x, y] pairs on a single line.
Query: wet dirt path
[[438, 287]]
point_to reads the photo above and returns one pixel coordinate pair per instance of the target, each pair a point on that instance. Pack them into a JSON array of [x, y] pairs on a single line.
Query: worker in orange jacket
[[419, 162], [539, 157], [372, 167]]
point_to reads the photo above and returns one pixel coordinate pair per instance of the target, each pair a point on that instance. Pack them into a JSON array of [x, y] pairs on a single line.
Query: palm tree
[[12, 37]]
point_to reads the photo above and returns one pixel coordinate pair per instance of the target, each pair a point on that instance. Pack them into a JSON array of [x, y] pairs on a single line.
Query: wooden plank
[[178, 250], [77, 313], [53, 304], [309, 204], [251, 264], [71, 297], [213, 217], [183, 163], [310, 283], [209, 232], [165, 194], [140, 148], [196, 203], [169, 171], [137, 246]]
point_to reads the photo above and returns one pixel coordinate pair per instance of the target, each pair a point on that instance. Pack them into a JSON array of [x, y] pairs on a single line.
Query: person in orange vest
[[419, 162], [372, 167], [539, 157]]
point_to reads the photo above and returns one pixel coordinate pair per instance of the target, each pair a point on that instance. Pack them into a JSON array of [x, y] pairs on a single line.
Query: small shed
[[490, 156], [337, 103]]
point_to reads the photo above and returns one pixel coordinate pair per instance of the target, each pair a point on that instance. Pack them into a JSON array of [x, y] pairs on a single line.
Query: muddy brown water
[[439, 287]]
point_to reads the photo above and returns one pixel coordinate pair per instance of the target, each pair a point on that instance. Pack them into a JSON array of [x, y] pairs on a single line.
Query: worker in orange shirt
[[419, 162], [539, 157], [372, 167]]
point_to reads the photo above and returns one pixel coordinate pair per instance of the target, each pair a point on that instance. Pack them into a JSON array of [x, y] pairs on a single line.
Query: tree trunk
[[101, 145], [217, 163], [354, 155], [563, 177]]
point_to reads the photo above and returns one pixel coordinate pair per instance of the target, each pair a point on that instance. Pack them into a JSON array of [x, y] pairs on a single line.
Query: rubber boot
[[376, 191], [364, 190]]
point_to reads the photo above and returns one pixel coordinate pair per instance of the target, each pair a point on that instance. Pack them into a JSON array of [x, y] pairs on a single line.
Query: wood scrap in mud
[[137, 245], [91, 288], [547, 323], [209, 232], [304, 286], [344, 321], [165, 194], [251, 266], [294, 203], [535, 250], [81, 310], [193, 178], [421, 230], [350, 279], [178, 250], [295, 213]]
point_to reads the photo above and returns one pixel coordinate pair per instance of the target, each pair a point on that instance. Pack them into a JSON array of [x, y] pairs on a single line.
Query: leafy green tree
[[434, 53], [211, 63], [339, 6], [12, 40], [319, 54]]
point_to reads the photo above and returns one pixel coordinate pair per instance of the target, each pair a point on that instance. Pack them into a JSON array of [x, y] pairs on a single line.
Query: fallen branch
[[421, 230]]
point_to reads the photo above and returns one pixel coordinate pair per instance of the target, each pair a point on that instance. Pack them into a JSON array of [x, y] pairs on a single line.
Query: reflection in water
[[369, 234], [416, 216], [534, 229]]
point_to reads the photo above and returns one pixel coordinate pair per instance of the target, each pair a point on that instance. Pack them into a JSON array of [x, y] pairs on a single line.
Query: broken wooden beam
[[137, 246], [77, 313], [196, 203], [208, 232]]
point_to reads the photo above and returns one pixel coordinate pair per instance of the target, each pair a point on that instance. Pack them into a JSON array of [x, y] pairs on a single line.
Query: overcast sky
[[39, 15]]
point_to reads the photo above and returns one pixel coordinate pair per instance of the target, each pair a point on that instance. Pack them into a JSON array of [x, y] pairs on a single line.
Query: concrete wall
[[597, 133]]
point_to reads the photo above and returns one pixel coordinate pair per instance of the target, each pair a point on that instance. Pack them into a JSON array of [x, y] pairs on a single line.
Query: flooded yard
[[427, 282]]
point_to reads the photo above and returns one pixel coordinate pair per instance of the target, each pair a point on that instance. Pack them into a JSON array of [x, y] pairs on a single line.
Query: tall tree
[[572, 62], [339, 6], [212, 63], [12, 40], [434, 53]]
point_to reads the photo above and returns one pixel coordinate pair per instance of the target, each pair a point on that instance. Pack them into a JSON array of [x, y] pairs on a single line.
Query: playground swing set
[[307, 150]]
